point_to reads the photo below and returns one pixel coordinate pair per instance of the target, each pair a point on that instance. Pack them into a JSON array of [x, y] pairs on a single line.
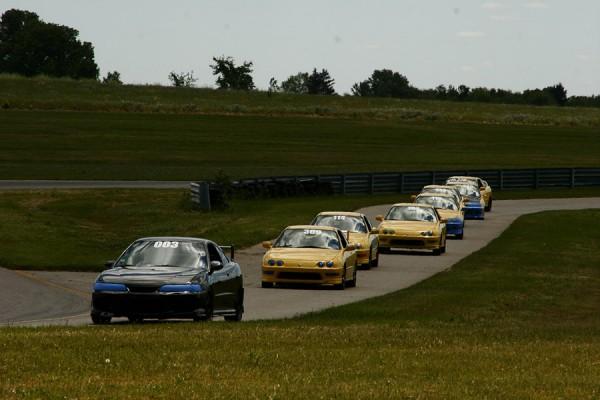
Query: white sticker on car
[[339, 217], [166, 244], [312, 231]]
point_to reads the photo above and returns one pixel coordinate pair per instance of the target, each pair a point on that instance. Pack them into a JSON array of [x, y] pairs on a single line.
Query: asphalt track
[[62, 298]]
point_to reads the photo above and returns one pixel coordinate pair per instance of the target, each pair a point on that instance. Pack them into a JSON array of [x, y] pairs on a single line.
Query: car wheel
[[239, 308], [460, 236], [98, 319], [342, 284], [266, 285], [208, 312], [352, 283], [375, 262]]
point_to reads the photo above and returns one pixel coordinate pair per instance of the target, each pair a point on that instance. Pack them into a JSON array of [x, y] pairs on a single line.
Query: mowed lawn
[[116, 145], [517, 320]]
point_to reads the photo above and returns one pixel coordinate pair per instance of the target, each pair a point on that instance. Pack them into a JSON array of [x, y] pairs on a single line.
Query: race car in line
[[309, 254], [357, 229], [448, 209], [412, 226], [444, 189], [474, 205], [484, 188], [169, 277]]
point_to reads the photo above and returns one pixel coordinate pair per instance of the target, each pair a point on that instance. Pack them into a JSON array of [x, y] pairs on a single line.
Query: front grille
[[407, 242], [308, 276], [142, 289]]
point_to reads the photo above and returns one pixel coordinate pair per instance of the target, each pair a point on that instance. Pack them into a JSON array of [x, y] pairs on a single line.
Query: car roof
[[321, 228], [438, 187], [413, 205], [347, 213], [431, 194], [463, 177]]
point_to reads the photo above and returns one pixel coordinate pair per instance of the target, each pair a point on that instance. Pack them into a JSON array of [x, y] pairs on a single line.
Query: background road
[[51, 298]]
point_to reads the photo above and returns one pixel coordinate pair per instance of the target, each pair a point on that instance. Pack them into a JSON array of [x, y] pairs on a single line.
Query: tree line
[[30, 46]]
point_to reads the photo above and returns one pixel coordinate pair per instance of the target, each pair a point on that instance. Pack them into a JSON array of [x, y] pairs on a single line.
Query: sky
[[509, 44]]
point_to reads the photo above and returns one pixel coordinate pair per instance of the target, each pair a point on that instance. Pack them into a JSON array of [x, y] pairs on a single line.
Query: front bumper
[[150, 305], [455, 228], [307, 275], [409, 242]]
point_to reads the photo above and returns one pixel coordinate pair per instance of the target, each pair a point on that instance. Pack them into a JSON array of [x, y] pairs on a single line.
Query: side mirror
[[267, 244], [215, 266], [350, 247], [109, 264], [413, 198], [374, 231], [379, 218]]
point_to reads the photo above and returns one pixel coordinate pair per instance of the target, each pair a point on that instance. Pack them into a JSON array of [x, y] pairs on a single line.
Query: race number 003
[[172, 245]]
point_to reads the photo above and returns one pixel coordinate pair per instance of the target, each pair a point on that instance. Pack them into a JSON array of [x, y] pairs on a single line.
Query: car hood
[[150, 275], [358, 237], [449, 214], [409, 226], [300, 255]]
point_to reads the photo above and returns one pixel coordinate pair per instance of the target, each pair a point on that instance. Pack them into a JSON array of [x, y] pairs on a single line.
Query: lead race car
[[169, 277], [358, 229], [310, 254]]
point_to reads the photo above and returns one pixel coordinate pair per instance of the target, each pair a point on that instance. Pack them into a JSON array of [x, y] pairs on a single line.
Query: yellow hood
[[407, 226], [293, 256]]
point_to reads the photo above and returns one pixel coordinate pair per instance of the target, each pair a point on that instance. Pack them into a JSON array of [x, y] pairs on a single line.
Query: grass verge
[[97, 145], [80, 229], [518, 319]]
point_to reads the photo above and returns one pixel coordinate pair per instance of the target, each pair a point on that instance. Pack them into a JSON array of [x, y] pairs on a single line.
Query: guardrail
[[205, 194]]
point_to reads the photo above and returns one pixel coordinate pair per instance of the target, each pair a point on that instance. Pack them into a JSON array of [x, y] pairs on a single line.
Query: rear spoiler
[[231, 251]]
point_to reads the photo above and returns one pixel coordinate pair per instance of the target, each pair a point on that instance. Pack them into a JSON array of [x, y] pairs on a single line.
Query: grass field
[[100, 145], [516, 320], [81, 229], [65, 94]]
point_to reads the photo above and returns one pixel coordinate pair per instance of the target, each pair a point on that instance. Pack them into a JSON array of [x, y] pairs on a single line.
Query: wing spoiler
[[231, 251]]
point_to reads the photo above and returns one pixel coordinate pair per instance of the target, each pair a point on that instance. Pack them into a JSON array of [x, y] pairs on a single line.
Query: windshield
[[312, 238], [411, 213], [468, 190], [437, 202], [450, 192], [163, 253], [342, 222]]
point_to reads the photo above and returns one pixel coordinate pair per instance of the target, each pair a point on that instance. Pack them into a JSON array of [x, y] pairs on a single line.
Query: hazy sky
[[512, 44]]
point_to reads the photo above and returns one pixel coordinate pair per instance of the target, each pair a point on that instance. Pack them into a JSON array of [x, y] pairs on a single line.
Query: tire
[[488, 208], [352, 283], [239, 309], [208, 313], [342, 284], [266, 285], [437, 252], [384, 250], [460, 236], [98, 319], [375, 262]]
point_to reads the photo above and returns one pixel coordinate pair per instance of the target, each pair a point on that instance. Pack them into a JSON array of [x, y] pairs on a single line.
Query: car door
[[222, 296]]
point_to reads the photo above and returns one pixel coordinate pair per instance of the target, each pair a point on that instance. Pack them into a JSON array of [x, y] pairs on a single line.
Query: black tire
[[384, 250], [375, 262], [208, 313], [437, 252], [342, 284], [239, 309], [461, 236], [266, 285], [98, 319], [488, 208], [352, 283]]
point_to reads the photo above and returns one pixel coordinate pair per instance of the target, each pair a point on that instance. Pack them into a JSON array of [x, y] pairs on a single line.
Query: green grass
[[65, 94], [97, 145], [81, 229], [516, 320]]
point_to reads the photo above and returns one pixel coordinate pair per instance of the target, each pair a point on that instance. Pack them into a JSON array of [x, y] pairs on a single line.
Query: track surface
[[60, 298]]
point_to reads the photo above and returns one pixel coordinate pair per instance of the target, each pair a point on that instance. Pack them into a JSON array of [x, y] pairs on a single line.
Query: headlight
[[388, 231], [330, 264], [271, 262], [109, 287], [279, 263], [427, 233], [320, 264]]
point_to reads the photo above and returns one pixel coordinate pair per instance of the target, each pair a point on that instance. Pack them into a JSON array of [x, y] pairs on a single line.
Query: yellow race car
[[357, 229], [484, 188], [310, 254], [448, 209], [412, 226]]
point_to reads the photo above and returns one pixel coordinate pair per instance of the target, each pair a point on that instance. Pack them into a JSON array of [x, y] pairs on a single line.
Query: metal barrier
[[401, 182]]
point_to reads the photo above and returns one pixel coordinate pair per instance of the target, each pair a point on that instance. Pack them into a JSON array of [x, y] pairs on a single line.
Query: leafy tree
[[385, 83], [112, 78], [30, 46], [230, 76], [183, 79], [320, 83], [558, 94], [296, 83], [274, 86]]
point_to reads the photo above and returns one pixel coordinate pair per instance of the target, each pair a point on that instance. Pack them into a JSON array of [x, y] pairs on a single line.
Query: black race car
[[169, 277]]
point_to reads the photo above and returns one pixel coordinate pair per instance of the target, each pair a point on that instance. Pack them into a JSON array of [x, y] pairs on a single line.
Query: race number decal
[[339, 217], [312, 232], [165, 245]]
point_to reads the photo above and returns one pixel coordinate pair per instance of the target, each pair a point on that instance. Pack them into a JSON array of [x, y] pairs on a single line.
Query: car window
[[343, 240], [214, 253]]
